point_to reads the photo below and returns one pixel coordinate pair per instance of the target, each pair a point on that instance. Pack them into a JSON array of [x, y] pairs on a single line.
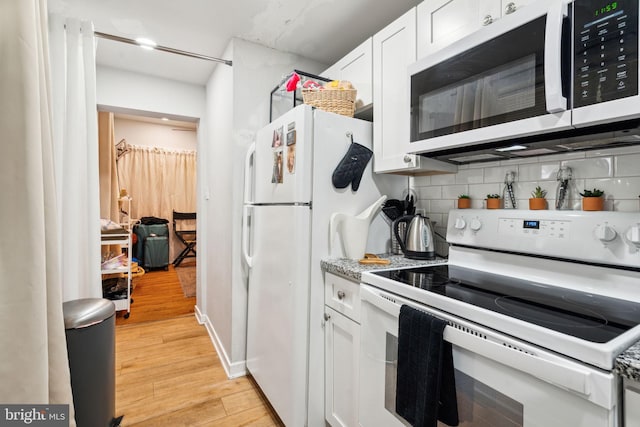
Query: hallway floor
[[168, 372]]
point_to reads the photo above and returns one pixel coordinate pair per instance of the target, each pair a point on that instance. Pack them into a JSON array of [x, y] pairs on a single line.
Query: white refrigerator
[[289, 199]]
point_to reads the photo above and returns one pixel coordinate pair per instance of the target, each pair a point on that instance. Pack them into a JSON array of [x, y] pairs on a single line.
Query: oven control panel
[[534, 228], [609, 237]]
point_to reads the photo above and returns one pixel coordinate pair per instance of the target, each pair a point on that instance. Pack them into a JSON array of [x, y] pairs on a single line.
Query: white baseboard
[[233, 370], [199, 316]]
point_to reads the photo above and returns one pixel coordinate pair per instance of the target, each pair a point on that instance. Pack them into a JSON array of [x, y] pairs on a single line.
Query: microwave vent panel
[[533, 152], [476, 158]]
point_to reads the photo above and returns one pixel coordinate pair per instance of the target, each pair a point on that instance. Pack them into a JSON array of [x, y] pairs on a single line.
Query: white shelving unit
[[124, 205], [124, 240]]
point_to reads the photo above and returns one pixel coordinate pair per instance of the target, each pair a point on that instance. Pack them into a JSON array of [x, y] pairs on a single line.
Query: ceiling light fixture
[[512, 148], [146, 44], [164, 119], [162, 48]]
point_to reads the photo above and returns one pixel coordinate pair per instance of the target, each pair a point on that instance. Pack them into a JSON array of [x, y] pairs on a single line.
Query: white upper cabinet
[[441, 22], [355, 67], [394, 48]]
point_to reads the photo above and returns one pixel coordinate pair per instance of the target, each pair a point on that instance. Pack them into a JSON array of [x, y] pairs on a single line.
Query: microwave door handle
[[558, 11]]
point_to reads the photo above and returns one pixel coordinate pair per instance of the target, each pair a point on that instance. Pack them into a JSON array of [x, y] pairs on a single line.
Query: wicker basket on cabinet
[[339, 101]]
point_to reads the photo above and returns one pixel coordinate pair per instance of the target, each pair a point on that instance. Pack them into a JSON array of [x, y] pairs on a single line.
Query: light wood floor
[[168, 372], [157, 296]]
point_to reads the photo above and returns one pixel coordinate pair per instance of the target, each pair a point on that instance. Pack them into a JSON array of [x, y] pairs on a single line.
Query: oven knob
[[605, 233], [475, 224], [633, 235], [460, 224]]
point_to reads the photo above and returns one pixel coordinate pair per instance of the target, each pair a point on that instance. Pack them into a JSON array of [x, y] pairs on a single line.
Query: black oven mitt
[[351, 167]]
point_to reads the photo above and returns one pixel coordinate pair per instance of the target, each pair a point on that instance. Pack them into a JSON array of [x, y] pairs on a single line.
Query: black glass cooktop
[[590, 317]]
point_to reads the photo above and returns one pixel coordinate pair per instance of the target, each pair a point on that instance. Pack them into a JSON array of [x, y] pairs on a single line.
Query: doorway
[[155, 174]]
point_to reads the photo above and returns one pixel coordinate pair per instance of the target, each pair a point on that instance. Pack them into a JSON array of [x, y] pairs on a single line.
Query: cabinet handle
[[487, 20], [327, 316], [407, 158], [510, 8], [341, 294]]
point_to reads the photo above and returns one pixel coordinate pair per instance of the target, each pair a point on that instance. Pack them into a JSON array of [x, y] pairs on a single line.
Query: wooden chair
[[186, 234]]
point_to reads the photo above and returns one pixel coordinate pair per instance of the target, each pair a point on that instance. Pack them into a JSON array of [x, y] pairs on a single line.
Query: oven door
[[508, 80], [499, 381]]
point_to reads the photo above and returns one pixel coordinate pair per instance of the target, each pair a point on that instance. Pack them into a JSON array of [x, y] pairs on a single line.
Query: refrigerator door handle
[[247, 173], [248, 259]]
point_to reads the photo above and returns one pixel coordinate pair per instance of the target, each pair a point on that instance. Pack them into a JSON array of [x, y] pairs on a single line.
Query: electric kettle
[[417, 241]]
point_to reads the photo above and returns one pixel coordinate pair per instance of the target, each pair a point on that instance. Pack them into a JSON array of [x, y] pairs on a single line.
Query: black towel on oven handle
[[425, 388]]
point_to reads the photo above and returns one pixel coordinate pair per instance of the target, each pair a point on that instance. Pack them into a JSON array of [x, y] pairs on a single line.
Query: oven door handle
[[564, 375]]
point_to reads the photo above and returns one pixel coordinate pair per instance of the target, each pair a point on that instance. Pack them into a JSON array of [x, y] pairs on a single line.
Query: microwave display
[[606, 51]]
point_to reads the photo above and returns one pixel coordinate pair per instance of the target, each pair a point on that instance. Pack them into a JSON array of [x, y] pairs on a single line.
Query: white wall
[[125, 91], [616, 171], [237, 106], [154, 135]]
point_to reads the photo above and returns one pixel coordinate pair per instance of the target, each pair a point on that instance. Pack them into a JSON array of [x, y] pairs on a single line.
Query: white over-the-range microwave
[[556, 76]]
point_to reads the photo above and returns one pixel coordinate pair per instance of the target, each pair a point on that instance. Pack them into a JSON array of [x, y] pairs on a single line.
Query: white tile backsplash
[[430, 192], [441, 206], [470, 176], [537, 171], [596, 167], [627, 165], [617, 188], [480, 191], [453, 191], [443, 179], [616, 171], [497, 173]]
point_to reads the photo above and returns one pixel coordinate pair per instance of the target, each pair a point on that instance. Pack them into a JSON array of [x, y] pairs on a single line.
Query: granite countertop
[[352, 269], [627, 364]]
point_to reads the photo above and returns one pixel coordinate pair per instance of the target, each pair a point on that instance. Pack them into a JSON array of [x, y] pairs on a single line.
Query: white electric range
[[539, 304]]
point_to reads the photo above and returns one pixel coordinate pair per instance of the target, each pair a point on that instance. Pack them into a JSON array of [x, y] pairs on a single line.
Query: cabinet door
[[394, 48], [356, 67], [441, 22], [632, 404], [342, 346]]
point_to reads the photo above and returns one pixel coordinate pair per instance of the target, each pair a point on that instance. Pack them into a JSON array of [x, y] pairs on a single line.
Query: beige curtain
[[109, 192], [33, 360], [159, 181]]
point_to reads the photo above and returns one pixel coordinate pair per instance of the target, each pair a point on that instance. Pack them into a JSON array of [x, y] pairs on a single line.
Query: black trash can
[[90, 331]]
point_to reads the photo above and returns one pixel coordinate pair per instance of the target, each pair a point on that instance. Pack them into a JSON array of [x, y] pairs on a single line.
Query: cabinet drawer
[[343, 295]]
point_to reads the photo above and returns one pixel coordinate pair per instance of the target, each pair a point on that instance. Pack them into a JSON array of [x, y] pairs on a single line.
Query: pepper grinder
[[508, 195], [563, 192]]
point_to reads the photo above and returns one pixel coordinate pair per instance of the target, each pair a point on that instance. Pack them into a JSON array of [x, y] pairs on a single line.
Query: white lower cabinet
[[342, 351], [631, 403], [342, 344]]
